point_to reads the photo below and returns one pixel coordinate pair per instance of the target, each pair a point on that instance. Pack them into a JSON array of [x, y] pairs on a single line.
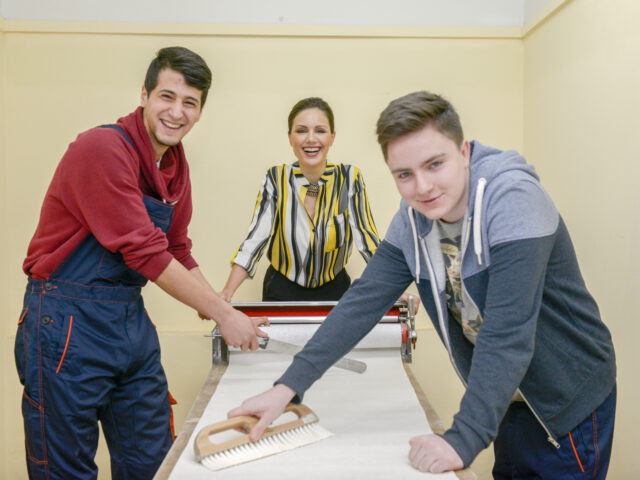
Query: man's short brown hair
[[414, 111]]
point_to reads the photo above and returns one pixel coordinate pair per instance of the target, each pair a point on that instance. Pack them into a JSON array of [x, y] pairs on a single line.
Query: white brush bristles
[[279, 442]]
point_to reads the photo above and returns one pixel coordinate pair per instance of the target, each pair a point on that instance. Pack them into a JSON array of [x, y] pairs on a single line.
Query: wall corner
[[540, 17]]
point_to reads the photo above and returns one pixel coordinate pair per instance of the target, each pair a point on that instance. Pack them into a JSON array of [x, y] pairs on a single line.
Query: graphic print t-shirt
[[450, 242]]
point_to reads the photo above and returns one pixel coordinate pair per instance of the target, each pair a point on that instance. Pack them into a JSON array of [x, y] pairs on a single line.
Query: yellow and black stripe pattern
[[309, 251]]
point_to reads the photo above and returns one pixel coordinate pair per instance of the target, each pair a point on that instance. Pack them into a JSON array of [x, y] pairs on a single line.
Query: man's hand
[[267, 407], [260, 322], [416, 301], [431, 453], [240, 331], [191, 288]]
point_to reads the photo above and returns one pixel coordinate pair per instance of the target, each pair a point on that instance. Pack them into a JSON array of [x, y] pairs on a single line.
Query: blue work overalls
[[86, 351]]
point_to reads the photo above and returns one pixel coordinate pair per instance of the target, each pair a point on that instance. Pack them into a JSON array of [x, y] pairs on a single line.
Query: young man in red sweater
[[115, 215]]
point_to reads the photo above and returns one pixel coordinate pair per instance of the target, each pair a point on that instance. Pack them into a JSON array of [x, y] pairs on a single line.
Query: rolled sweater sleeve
[[99, 186]]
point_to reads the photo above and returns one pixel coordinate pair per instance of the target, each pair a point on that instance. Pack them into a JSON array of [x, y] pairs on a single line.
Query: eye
[[435, 164], [301, 130], [403, 175]]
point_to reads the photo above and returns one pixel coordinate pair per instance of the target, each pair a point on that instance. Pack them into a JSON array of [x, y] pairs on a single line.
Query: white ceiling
[[458, 13]]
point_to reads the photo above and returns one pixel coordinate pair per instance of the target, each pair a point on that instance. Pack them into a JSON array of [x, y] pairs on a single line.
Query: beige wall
[[581, 103], [59, 81], [60, 84]]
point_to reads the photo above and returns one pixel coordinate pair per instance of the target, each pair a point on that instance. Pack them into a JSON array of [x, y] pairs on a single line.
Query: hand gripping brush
[[299, 432]]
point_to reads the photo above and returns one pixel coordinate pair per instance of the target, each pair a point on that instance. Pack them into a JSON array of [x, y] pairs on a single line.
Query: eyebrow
[[432, 158], [301, 125], [188, 97]]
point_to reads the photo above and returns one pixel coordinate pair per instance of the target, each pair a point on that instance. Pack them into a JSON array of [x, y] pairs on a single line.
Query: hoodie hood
[[487, 164], [488, 167], [491, 164], [169, 182]]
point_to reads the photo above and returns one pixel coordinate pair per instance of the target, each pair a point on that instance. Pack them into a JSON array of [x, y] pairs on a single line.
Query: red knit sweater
[[97, 188]]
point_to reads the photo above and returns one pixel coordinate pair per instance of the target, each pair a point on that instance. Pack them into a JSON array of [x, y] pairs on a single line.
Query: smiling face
[[311, 138], [170, 110], [431, 173]]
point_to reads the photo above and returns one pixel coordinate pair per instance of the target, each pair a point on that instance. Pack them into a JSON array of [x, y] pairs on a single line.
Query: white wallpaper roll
[[387, 335]]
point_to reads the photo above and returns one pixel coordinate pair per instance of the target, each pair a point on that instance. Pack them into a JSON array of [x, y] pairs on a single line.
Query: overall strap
[[122, 132]]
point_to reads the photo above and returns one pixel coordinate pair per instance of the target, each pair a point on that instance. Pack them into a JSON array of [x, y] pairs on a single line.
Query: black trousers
[[278, 288]]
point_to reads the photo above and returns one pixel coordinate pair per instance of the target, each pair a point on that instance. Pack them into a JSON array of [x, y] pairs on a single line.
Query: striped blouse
[[309, 251]]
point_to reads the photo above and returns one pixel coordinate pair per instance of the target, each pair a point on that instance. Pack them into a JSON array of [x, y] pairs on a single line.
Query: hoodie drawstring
[[412, 221], [477, 227], [477, 220]]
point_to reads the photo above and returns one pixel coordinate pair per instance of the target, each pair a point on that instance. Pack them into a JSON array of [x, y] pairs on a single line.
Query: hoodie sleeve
[[384, 279], [522, 223]]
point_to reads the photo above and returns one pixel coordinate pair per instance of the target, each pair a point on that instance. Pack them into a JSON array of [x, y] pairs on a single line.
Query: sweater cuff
[[188, 262], [467, 448], [299, 377], [155, 265]]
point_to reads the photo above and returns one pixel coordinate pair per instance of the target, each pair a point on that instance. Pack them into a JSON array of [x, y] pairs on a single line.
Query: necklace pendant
[[313, 189]]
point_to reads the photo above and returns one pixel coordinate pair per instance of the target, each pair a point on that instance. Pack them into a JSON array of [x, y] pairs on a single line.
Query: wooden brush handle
[[305, 415], [299, 409], [204, 447]]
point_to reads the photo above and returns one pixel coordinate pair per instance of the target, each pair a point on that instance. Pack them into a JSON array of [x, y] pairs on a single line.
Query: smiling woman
[[308, 213]]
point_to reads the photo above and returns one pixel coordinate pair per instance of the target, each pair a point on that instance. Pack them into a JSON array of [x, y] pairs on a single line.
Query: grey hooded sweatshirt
[[541, 333]]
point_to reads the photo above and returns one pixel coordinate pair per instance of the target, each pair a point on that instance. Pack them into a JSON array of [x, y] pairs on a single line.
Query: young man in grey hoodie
[[497, 273]]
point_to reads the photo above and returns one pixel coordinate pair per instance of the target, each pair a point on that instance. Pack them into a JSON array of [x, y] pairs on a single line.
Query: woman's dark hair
[[311, 102]]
